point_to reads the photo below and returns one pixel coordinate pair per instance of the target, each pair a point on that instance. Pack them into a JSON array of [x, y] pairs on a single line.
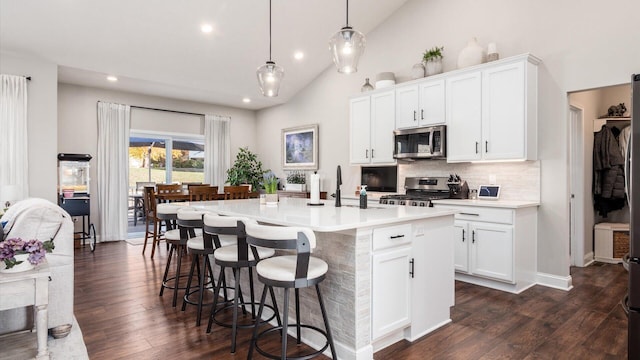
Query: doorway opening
[[587, 116]]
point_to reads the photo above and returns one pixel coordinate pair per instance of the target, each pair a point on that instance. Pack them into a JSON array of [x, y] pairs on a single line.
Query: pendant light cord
[[270, 30], [347, 12]]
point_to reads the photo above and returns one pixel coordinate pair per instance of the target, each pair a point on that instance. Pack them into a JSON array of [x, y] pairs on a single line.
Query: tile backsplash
[[518, 180]]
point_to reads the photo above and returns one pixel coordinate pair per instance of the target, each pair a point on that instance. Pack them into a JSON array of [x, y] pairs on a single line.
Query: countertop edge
[[509, 204]]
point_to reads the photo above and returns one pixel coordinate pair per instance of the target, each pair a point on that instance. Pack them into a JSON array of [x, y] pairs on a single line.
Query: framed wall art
[[300, 148]]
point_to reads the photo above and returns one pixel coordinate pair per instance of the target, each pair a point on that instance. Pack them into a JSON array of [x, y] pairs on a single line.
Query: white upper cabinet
[[420, 104], [492, 112], [372, 121], [464, 117]]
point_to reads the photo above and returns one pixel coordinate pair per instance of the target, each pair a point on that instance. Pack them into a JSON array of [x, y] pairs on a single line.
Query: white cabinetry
[[495, 247], [412, 287], [372, 121], [420, 104], [391, 288], [492, 111]]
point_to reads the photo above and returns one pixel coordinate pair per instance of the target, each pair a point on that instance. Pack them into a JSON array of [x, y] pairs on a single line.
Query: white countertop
[[327, 218], [511, 204]]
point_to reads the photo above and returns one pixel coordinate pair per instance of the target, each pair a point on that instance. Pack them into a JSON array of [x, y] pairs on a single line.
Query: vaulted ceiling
[[156, 47]]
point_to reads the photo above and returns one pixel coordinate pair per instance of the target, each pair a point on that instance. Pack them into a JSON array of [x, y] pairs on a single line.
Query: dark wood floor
[[122, 317]]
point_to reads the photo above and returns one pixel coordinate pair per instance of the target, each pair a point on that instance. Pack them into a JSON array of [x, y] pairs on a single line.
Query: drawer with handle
[[484, 214], [391, 236]]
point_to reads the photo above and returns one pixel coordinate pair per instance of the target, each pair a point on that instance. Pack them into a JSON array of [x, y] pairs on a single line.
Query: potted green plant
[[296, 181], [270, 184], [246, 169], [432, 60]]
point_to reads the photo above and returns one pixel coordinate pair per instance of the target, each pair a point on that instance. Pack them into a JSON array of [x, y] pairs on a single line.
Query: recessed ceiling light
[[206, 28], [112, 78], [246, 100], [298, 55]]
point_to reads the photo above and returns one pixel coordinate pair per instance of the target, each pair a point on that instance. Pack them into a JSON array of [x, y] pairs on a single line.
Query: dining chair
[[236, 192], [149, 200], [203, 193], [169, 188]]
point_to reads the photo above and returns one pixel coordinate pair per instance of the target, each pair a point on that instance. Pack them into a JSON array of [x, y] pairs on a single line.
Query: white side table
[[29, 288]]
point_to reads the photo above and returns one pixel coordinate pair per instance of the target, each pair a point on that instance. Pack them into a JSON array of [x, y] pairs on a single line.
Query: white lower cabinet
[[391, 287], [495, 247], [391, 290], [484, 249], [412, 284]]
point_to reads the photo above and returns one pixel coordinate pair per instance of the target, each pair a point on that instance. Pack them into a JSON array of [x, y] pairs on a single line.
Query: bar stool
[[167, 213], [177, 240], [201, 247], [289, 271], [236, 257]]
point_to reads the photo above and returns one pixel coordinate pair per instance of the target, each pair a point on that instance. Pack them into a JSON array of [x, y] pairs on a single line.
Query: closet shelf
[[597, 123]]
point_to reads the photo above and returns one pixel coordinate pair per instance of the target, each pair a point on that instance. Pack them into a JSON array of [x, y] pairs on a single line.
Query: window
[[165, 158]]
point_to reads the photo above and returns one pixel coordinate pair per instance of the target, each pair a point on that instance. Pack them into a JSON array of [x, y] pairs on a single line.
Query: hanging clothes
[[608, 171]]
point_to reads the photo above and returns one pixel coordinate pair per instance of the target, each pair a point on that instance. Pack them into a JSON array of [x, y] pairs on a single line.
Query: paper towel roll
[[315, 188]]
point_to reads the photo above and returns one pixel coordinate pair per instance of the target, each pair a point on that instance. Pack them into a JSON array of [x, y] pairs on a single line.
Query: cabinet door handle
[[462, 235], [476, 147], [414, 115], [470, 214], [473, 236], [422, 114], [486, 146], [372, 153], [411, 267], [366, 154], [396, 236]]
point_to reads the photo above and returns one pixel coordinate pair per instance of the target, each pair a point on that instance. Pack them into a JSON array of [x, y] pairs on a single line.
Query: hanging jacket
[[608, 162]]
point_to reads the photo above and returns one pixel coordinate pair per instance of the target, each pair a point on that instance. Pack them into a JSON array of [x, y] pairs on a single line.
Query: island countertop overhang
[[326, 218]]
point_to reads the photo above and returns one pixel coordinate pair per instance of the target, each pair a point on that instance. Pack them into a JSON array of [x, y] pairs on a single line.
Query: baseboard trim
[[555, 281]]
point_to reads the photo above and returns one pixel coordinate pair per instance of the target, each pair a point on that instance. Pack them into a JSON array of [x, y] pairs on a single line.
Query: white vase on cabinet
[[472, 54]]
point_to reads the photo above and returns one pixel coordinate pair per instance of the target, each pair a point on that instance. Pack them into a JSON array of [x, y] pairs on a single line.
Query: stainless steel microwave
[[420, 143]]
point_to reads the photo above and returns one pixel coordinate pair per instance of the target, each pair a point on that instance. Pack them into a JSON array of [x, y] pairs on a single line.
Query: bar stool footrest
[[165, 284], [246, 304], [292, 326]]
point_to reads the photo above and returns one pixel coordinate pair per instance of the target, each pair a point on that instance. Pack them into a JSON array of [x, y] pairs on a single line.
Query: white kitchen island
[[391, 273]]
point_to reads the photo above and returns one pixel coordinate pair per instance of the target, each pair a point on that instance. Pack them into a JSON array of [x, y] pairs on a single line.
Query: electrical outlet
[[492, 179]]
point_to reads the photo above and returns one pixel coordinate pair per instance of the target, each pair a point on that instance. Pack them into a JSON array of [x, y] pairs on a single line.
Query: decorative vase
[[271, 199], [433, 67], [417, 71], [472, 54], [492, 52], [24, 266], [367, 86]]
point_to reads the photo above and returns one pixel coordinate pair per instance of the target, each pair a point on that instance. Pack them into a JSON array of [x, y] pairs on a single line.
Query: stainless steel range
[[420, 191]]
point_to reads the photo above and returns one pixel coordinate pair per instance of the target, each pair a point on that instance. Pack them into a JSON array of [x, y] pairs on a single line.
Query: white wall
[[78, 132], [42, 118], [569, 38]]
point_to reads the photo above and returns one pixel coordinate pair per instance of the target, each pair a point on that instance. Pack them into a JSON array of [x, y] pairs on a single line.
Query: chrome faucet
[[338, 183]]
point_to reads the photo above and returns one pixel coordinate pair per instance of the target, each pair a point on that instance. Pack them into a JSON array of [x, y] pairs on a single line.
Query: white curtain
[[113, 170], [217, 150], [13, 137]]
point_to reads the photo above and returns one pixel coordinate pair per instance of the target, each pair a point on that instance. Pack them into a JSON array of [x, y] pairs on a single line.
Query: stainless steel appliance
[[420, 143], [419, 192], [632, 301]]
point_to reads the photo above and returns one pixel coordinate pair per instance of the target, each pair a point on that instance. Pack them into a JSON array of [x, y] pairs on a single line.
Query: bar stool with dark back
[[236, 257], [203, 193], [236, 192], [201, 247], [289, 271], [188, 220]]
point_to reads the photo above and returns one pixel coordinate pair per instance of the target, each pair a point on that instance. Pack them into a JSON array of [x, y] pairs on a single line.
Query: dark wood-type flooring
[[122, 317]]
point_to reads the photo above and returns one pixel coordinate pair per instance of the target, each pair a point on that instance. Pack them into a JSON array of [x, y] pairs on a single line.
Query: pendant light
[[270, 75], [346, 47]]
